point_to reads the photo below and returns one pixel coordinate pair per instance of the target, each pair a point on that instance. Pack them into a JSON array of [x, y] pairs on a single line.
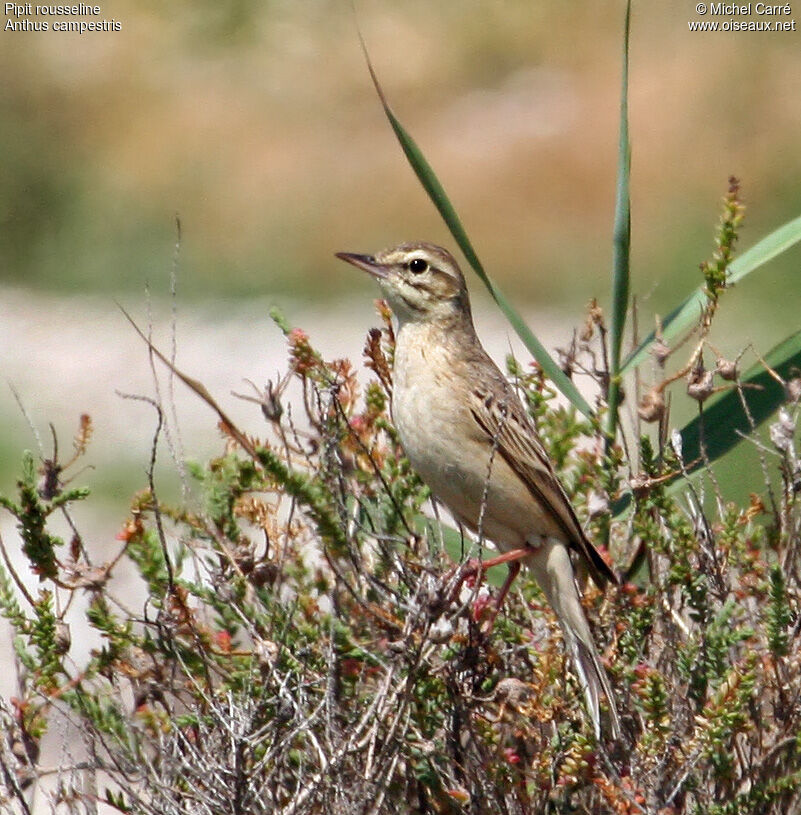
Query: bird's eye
[[417, 265]]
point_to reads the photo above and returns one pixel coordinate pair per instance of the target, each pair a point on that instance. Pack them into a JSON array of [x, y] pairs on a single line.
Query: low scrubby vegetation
[[302, 648]]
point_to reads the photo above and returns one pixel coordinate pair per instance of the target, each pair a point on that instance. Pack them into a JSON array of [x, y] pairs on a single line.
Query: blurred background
[[256, 124]]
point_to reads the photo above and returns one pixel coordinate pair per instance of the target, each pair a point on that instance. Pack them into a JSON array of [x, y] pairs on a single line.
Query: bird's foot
[[473, 570], [470, 572]]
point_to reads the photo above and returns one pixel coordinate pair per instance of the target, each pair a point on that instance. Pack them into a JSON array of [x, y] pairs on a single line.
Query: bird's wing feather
[[511, 430]]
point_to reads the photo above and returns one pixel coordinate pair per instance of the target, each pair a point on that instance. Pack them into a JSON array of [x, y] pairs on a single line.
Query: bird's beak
[[366, 262]]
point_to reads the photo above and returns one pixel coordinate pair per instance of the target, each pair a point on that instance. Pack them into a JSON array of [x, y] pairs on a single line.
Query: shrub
[[303, 647]]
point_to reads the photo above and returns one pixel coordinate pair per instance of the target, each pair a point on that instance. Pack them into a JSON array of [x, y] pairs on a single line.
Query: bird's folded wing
[[512, 432]]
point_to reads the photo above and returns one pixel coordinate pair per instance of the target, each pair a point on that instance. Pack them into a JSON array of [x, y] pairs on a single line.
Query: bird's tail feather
[[594, 682], [554, 572]]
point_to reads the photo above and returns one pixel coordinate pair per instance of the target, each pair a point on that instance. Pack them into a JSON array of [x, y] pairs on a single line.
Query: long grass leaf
[[724, 422], [682, 317], [621, 242], [436, 193]]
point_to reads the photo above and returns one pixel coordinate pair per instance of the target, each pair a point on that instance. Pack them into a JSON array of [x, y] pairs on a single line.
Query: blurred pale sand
[[70, 355]]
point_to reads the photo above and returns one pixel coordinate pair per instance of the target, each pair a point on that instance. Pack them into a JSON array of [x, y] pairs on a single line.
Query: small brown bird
[[468, 436]]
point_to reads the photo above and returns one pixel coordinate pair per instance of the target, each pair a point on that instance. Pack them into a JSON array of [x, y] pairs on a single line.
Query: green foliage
[[621, 244], [10, 607], [779, 615], [705, 661], [732, 414], [716, 271], [117, 800], [43, 639], [685, 315], [31, 515], [117, 635], [144, 549], [310, 493]]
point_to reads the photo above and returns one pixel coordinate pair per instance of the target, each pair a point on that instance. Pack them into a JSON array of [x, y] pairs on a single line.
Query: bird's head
[[422, 282]]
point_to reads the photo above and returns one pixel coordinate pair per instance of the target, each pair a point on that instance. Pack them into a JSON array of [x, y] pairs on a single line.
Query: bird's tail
[[554, 572]]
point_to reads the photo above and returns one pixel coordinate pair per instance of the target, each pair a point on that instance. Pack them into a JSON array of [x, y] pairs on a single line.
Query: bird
[[467, 435]]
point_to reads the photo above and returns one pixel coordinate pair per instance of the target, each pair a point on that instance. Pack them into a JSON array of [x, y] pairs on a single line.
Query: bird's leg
[[514, 570], [476, 568]]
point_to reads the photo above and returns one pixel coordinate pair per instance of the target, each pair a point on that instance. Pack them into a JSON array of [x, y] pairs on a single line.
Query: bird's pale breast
[[451, 453]]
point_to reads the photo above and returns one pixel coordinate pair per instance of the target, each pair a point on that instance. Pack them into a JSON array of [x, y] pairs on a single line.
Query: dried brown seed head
[[660, 351], [700, 385], [727, 369], [652, 406], [793, 389]]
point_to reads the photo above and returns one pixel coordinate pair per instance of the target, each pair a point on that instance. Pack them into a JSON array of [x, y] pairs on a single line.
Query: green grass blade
[[621, 242], [724, 421], [436, 193], [682, 317]]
